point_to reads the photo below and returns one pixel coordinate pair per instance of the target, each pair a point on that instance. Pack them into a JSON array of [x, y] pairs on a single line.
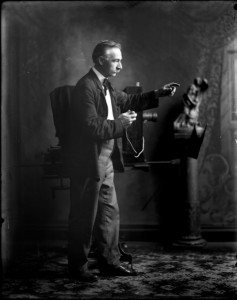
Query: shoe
[[85, 276], [118, 271]]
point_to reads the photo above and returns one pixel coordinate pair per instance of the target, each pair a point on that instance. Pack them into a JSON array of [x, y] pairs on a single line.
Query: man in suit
[[99, 115]]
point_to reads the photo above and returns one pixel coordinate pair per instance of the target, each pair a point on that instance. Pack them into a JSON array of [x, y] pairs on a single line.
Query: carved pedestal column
[[189, 136], [189, 227]]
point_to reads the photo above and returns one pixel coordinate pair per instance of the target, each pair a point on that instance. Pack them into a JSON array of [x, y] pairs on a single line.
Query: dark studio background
[[49, 44]]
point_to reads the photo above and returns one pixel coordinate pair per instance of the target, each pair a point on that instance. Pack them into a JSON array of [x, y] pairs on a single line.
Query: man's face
[[111, 62]]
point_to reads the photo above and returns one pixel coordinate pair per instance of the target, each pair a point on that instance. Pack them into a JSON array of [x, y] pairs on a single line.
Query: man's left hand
[[168, 89]]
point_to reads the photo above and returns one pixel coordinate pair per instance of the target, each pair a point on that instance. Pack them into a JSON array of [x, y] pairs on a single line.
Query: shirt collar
[[99, 75]]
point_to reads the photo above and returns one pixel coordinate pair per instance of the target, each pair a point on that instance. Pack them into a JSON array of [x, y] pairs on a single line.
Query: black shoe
[[85, 276], [118, 271]]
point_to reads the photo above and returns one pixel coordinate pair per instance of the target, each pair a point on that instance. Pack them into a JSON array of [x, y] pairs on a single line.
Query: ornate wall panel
[[216, 160]]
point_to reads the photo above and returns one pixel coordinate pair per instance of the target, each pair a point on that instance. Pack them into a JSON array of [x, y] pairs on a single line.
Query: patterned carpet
[[208, 273]]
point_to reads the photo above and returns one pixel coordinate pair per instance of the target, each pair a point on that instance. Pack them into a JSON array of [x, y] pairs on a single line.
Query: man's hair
[[101, 48]]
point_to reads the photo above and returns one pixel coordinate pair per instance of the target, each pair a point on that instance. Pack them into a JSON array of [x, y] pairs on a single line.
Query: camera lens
[[150, 116]]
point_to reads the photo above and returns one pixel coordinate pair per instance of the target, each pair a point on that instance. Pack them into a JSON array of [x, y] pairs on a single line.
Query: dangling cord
[[143, 143]]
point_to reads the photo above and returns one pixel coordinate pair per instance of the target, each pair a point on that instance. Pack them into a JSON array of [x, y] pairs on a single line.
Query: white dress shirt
[[107, 96]]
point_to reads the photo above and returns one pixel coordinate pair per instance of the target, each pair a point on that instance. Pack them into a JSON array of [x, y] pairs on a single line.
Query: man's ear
[[101, 61]]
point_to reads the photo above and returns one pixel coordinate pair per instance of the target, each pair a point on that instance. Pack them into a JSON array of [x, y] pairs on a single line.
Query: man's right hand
[[128, 118]]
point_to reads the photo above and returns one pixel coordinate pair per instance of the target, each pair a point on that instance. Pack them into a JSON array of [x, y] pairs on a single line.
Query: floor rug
[[163, 273]]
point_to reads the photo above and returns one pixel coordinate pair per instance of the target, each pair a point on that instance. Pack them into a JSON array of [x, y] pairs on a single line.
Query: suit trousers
[[94, 212]]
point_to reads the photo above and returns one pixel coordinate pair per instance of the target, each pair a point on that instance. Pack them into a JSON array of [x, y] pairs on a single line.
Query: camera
[[149, 116], [134, 139]]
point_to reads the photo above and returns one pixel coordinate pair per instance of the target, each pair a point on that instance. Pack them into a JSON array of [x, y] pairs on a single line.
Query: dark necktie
[[106, 85]]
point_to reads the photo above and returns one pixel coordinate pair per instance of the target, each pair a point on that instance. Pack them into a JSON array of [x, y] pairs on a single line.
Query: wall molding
[[137, 232]]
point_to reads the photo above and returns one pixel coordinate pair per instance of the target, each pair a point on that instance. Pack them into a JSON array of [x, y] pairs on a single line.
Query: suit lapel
[[112, 93], [99, 89]]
